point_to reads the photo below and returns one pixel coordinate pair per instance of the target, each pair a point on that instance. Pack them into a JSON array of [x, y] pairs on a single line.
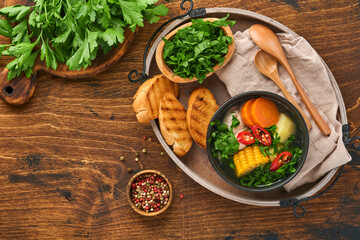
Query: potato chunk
[[285, 127]]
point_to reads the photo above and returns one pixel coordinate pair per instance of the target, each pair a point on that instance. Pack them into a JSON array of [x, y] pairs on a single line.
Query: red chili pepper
[[262, 135], [245, 137], [280, 160]]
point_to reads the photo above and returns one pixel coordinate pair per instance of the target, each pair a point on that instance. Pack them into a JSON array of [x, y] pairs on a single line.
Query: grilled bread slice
[[202, 106], [172, 120], [147, 98]]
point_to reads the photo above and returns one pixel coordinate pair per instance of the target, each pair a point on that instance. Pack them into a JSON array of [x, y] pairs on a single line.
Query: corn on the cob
[[248, 159]]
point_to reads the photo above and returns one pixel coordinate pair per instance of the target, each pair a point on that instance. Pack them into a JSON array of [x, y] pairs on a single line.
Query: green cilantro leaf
[[111, 36], [142, 4], [20, 33], [92, 37], [15, 13], [5, 28], [80, 56], [225, 145], [82, 11], [63, 37], [131, 13], [48, 54], [19, 49], [153, 12], [3, 47]]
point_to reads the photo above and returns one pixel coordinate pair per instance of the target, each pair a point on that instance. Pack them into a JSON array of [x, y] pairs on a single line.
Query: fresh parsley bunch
[[194, 50], [69, 31], [225, 144]]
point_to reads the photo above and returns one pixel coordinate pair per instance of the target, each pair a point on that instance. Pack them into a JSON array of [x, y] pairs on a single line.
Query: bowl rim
[[233, 101], [128, 188]]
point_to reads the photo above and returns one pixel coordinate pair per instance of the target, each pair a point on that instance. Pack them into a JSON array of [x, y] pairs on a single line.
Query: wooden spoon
[[267, 65], [166, 70], [266, 39]]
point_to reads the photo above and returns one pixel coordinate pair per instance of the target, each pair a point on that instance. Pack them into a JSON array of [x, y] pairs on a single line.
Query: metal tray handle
[[350, 144]]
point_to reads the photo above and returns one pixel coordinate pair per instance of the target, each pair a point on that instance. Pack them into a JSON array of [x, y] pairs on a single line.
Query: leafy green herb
[[224, 142], [15, 13], [288, 144], [273, 148], [261, 176], [3, 47], [70, 31], [195, 50], [5, 28], [234, 122], [24, 61]]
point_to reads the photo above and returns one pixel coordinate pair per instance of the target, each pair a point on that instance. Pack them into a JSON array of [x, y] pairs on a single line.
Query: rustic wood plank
[[61, 176]]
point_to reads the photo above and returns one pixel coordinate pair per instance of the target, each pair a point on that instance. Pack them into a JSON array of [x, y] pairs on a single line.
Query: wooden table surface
[[60, 173]]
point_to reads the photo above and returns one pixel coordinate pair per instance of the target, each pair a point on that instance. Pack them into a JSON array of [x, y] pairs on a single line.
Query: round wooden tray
[[195, 163]]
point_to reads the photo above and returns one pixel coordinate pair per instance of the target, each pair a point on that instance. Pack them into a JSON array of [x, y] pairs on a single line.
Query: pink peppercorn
[[147, 192]]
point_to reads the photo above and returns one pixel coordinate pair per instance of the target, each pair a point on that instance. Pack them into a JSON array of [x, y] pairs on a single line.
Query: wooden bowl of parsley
[[196, 49]]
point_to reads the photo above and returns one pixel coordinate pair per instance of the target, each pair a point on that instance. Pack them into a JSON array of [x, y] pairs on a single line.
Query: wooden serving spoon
[[19, 90], [266, 39], [166, 70], [267, 65]]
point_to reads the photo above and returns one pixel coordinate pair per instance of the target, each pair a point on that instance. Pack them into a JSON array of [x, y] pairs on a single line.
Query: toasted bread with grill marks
[[172, 120], [202, 106], [147, 98]]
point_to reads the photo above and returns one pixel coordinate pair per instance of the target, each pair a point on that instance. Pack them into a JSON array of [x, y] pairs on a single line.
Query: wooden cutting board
[[19, 90]]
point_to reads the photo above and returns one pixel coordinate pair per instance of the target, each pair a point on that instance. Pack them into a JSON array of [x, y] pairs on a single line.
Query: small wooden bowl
[[128, 194], [166, 70]]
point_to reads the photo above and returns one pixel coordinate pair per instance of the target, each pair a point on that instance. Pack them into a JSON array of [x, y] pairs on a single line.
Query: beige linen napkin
[[240, 75]]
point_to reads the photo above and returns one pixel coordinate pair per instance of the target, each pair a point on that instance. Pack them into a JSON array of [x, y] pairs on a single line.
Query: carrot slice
[[245, 113], [264, 112]]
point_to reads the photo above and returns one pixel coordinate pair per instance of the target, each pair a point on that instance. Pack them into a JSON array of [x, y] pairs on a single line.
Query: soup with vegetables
[[258, 141]]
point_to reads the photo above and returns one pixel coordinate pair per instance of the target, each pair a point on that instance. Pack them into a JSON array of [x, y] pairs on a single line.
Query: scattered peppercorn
[[136, 159], [144, 150], [162, 154], [181, 196], [137, 154], [122, 158], [150, 192], [129, 170], [144, 137], [149, 139]]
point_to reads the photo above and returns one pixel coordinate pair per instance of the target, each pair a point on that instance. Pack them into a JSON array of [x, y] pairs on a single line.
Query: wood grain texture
[[61, 177], [19, 90]]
